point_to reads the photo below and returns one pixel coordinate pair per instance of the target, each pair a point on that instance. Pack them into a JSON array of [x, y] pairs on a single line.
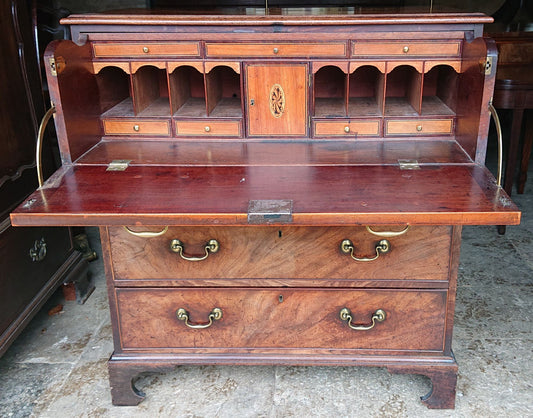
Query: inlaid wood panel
[[277, 99], [136, 127], [348, 128], [407, 48], [214, 49], [145, 49], [281, 318], [208, 128], [282, 252], [419, 127]]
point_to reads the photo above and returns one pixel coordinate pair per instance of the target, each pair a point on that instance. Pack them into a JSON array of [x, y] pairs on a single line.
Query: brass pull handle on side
[[212, 246], [388, 234], [346, 315], [146, 234], [214, 315], [382, 246]]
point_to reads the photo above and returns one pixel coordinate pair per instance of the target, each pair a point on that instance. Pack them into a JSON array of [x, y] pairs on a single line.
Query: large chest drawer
[[281, 318], [261, 252]]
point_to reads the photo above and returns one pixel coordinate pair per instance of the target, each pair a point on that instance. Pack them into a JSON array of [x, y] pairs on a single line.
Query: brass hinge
[[57, 65], [409, 164], [488, 66], [118, 165]]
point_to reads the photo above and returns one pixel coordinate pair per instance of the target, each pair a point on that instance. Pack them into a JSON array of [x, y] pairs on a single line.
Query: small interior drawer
[[208, 128], [278, 49], [347, 128], [419, 127], [136, 127], [145, 49], [268, 252], [407, 48], [281, 318]]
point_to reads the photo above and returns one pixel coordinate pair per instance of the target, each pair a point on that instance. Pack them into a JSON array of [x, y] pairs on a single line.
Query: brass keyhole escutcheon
[[405, 49], [145, 49]]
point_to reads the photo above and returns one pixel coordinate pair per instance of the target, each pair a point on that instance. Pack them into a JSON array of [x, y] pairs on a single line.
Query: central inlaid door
[[276, 99]]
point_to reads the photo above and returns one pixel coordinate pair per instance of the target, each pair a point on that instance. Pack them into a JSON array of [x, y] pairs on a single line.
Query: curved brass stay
[[214, 315], [146, 234], [212, 246], [388, 234], [39, 146], [346, 315], [382, 246], [496, 118]]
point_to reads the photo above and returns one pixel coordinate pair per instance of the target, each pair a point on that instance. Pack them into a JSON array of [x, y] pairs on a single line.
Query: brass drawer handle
[[147, 234], [212, 246], [388, 234], [275, 50], [214, 315], [347, 129], [405, 49], [382, 246], [346, 315], [136, 128], [145, 49], [419, 128]]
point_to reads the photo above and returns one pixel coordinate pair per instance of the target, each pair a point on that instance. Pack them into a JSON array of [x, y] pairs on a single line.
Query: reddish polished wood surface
[[341, 195]]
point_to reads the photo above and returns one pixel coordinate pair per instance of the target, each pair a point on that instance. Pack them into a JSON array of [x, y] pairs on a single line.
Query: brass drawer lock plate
[[262, 212]]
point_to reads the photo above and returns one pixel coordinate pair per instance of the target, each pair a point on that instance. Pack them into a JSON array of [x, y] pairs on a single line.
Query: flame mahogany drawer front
[[145, 49], [348, 128], [136, 127], [281, 318], [422, 253], [419, 127], [208, 128], [407, 48], [278, 49]]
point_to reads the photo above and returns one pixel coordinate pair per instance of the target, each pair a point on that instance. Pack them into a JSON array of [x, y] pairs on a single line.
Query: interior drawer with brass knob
[[136, 127], [347, 128], [278, 49], [270, 255], [145, 49], [407, 48], [419, 127], [208, 128], [298, 319]]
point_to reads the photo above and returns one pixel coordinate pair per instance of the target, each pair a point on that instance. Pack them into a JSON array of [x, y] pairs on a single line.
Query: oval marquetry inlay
[[277, 101]]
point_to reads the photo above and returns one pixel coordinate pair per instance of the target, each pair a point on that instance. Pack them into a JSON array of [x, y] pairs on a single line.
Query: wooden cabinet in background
[[275, 189]]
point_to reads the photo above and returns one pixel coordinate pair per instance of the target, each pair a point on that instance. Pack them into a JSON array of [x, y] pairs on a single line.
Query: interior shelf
[[366, 85], [330, 92], [399, 106], [113, 86], [223, 89], [149, 87], [439, 95]]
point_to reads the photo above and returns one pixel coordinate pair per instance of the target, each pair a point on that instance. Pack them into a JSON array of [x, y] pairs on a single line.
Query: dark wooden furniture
[[275, 189], [514, 90], [33, 261]]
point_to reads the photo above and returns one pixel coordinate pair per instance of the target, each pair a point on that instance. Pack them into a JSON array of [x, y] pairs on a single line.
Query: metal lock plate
[[269, 211]]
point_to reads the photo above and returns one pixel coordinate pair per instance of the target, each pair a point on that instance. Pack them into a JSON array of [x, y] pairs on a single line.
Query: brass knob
[[346, 129], [406, 49], [136, 128], [419, 128], [207, 129], [145, 49], [276, 50]]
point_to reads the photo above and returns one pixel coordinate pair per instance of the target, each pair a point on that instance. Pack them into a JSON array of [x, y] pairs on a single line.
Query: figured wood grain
[[415, 48], [128, 50], [127, 127], [429, 127], [282, 252], [357, 128], [324, 195], [257, 318], [301, 49], [208, 128]]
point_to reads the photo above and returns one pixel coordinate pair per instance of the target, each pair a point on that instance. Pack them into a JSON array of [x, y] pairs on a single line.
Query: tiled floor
[[57, 367]]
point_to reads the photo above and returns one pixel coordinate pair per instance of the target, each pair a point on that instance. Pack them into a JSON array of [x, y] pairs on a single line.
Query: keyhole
[[280, 298], [279, 233]]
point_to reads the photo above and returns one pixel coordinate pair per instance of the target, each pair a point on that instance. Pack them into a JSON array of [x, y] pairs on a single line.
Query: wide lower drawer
[[281, 318], [136, 127], [208, 128], [419, 127], [407, 48], [145, 49], [266, 252], [275, 49]]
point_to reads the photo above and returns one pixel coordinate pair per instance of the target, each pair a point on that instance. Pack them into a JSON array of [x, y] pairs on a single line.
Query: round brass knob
[[207, 129], [145, 49], [419, 128], [136, 128], [276, 50], [406, 49], [346, 129]]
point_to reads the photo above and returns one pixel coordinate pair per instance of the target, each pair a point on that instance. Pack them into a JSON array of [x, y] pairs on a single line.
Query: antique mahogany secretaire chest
[[275, 189]]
